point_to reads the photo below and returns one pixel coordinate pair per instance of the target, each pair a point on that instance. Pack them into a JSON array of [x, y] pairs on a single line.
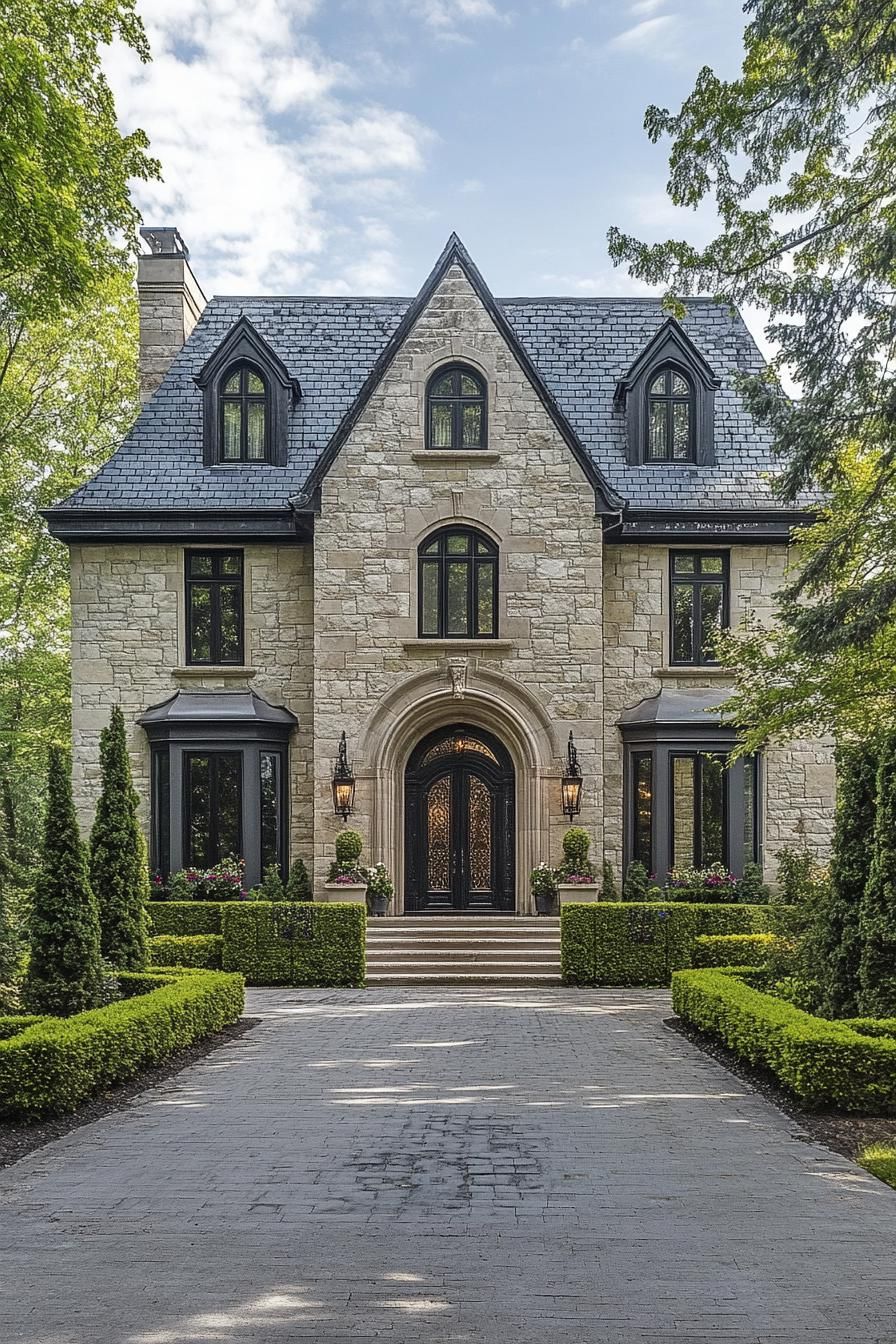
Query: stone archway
[[484, 698]]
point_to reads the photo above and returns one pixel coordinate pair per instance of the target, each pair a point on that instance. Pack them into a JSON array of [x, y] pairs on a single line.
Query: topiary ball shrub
[[348, 848]]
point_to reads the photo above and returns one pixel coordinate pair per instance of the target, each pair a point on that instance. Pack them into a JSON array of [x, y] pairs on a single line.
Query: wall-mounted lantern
[[343, 783], [571, 783]]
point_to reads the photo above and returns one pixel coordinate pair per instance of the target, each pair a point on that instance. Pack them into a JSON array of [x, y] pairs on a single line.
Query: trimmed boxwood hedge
[[296, 943], [822, 1062], [11, 1026], [733, 949], [190, 949], [185, 917], [643, 942], [57, 1062]]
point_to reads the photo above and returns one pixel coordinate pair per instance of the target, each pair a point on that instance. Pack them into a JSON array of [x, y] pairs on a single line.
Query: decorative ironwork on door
[[459, 817]]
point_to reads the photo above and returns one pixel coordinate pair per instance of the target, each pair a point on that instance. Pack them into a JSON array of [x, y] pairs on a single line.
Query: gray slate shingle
[[580, 347]]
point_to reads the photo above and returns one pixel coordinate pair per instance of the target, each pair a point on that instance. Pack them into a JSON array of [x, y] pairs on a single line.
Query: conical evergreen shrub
[[877, 911], [10, 949], [119, 873], [65, 971], [298, 884], [834, 945]]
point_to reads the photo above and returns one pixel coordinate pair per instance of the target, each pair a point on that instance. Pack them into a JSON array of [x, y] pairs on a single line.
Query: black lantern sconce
[[571, 783], [343, 783]]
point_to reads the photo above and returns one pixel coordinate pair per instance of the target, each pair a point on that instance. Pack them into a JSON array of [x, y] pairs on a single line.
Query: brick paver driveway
[[470, 1166]]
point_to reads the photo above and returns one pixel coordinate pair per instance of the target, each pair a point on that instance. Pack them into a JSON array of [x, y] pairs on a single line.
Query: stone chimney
[[170, 304]]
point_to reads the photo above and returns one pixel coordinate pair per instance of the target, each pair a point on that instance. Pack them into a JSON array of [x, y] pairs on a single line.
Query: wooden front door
[[459, 824]]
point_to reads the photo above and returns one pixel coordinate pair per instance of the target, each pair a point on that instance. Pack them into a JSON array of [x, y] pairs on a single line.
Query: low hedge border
[[643, 942], [189, 949], [296, 942], [185, 917], [11, 1026], [823, 1063], [733, 949], [53, 1065]]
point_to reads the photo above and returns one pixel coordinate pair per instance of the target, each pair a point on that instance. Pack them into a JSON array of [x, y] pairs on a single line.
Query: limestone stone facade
[[331, 597]]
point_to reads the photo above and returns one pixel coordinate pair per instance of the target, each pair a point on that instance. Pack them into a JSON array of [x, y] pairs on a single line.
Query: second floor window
[[244, 416], [699, 604], [214, 607], [458, 586], [670, 417], [455, 409]]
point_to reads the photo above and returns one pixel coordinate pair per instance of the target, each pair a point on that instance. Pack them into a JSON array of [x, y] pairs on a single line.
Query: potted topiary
[[347, 880], [544, 888], [577, 878], [380, 889]]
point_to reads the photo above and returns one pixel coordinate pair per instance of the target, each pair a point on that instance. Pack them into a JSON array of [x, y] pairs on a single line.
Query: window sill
[[213, 670], [697, 670], [448, 457], [485, 646]]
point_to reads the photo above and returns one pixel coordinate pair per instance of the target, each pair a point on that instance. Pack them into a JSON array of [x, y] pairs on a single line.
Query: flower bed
[[642, 943], [822, 1062], [55, 1063]]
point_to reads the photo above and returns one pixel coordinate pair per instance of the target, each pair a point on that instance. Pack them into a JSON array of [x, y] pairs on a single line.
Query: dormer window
[[670, 417], [248, 395], [668, 398], [455, 409], [244, 416]]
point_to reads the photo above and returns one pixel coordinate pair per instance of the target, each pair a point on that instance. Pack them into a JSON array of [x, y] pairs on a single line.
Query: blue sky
[[330, 146]]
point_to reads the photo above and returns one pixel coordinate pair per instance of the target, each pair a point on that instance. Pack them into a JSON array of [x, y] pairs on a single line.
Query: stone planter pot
[[578, 891], [346, 891], [379, 906], [545, 902]]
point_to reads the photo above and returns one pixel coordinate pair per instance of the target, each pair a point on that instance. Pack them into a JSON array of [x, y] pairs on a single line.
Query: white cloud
[[646, 37], [258, 132], [471, 186], [448, 18], [646, 6]]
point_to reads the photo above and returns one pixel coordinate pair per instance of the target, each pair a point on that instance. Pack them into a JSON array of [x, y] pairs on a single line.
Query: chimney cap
[[165, 242]]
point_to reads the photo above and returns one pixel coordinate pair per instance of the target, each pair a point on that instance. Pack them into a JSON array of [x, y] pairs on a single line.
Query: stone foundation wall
[[128, 625]]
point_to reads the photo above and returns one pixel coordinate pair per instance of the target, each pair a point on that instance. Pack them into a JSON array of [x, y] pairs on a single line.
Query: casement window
[[671, 429], [699, 604], [456, 409], [458, 586], [245, 415], [691, 809], [214, 602], [213, 783]]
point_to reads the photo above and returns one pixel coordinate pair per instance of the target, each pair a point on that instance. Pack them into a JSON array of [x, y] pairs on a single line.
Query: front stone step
[[463, 949]]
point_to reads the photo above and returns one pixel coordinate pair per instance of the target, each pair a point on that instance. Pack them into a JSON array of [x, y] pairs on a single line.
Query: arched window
[[244, 415], [458, 586], [455, 409], [670, 417]]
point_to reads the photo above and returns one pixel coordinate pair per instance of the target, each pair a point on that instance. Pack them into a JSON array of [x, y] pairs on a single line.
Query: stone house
[[473, 535]]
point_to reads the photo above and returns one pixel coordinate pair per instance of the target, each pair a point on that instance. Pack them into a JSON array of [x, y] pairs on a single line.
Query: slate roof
[[580, 347]]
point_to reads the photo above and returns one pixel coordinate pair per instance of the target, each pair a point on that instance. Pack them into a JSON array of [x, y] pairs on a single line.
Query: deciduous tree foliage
[[65, 211], [65, 971], [119, 873], [798, 156]]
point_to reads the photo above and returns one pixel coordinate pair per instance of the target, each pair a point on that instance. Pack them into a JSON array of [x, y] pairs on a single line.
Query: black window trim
[[215, 581], [244, 398], [695, 581], [457, 440], [698, 757], [211, 754], [668, 368], [473, 562], [642, 753]]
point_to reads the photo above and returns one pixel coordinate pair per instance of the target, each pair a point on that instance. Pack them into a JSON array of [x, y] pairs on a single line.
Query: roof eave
[[77, 523]]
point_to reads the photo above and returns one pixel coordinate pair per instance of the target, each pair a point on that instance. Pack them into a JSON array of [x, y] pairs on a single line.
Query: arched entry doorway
[[459, 824]]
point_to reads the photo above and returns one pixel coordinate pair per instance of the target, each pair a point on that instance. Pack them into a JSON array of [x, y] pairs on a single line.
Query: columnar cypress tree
[[877, 912], [118, 870], [65, 971], [9, 940], [835, 940]]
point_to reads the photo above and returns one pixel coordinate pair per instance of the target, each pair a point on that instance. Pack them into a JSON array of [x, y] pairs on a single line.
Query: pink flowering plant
[[223, 882]]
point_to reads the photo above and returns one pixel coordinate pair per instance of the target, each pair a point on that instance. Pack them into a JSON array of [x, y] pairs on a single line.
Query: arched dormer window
[[455, 409], [248, 395], [670, 416], [244, 415], [668, 398], [457, 584]]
